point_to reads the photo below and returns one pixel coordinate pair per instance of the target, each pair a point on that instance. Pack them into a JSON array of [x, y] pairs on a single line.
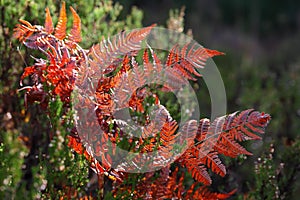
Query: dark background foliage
[[261, 70]]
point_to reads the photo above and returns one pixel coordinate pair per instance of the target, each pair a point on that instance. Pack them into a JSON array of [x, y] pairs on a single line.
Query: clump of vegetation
[[35, 158], [54, 81]]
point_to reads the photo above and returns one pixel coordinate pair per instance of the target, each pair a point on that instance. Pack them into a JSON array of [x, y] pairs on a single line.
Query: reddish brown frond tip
[[212, 53], [28, 71], [141, 33], [152, 25], [264, 118], [75, 34], [23, 30], [48, 22], [60, 30], [227, 195]]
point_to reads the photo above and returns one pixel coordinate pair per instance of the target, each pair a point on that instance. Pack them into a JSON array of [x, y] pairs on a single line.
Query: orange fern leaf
[[125, 64], [104, 168], [61, 27], [211, 160], [161, 115], [184, 62], [203, 193], [220, 137], [176, 60], [128, 87], [28, 71], [206, 154], [75, 145], [104, 103], [224, 131], [195, 167], [48, 22], [197, 170], [75, 34], [188, 132], [24, 30], [108, 50], [137, 75], [212, 53], [198, 55], [167, 137], [243, 126], [203, 128]]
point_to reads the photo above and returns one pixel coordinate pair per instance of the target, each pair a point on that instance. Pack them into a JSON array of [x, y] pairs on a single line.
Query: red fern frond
[[245, 125], [212, 53], [126, 64], [229, 147], [237, 126], [150, 67], [167, 137], [24, 30], [198, 55], [177, 60], [219, 137], [104, 103], [28, 71], [211, 160], [188, 132], [75, 144], [61, 27], [137, 76], [157, 64], [161, 116], [136, 101], [188, 159], [188, 58], [197, 169], [203, 193], [129, 87], [48, 22], [203, 128], [182, 71], [75, 34], [100, 169], [108, 50]]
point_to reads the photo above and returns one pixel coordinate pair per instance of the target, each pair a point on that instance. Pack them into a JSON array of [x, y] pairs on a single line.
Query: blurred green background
[[261, 70]]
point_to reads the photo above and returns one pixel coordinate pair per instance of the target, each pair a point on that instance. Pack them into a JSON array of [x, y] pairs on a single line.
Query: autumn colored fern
[[122, 77], [221, 137]]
